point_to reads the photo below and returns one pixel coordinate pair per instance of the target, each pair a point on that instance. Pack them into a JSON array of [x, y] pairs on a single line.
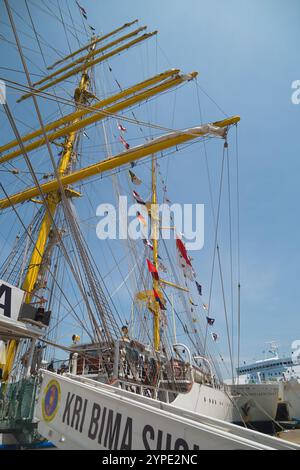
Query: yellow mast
[[53, 200], [36, 259], [154, 236], [53, 197]]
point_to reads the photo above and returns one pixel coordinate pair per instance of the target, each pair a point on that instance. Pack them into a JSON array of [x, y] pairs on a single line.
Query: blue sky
[[247, 57]]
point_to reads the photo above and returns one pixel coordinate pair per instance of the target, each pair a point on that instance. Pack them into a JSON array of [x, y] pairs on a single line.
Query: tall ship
[[108, 339]]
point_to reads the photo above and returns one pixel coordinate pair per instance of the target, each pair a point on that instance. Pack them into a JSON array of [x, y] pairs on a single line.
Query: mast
[[154, 233], [53, 197], [52, 200]]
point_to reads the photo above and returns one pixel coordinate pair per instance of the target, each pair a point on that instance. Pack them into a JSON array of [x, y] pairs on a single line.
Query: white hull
[[289, 392], [205, 400], [78, 413], [255, 402]]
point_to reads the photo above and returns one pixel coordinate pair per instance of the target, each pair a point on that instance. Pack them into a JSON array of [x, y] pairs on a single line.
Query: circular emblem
[[51, 400]]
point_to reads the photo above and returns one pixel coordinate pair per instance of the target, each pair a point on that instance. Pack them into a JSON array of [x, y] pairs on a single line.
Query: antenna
[[273, 347]]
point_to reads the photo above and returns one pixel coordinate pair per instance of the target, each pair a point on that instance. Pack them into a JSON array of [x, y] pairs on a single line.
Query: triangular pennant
[[121, 128], [138, 198], [82, 10], [141, 219], [123, 141], [185, 261], [199, 287], [215, 337], [157, 298], [134, 178], [152, 269], [162, 267], [147, 243]]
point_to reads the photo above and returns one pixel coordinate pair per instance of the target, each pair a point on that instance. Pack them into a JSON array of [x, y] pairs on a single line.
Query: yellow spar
[[93, 42], [135, 153], [80, 68], [101, 114], [90, 55], [87, 110]]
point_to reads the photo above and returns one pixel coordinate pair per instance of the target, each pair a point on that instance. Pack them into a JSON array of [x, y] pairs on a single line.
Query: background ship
[[281, 369]]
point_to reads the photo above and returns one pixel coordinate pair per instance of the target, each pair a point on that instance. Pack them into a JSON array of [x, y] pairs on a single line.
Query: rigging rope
[[40, 48], [230, 249], [74, 272], [64, 26], [46, 43], [226, 317], [213, 211], [33, 242], [238, 252], [215, 244]]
